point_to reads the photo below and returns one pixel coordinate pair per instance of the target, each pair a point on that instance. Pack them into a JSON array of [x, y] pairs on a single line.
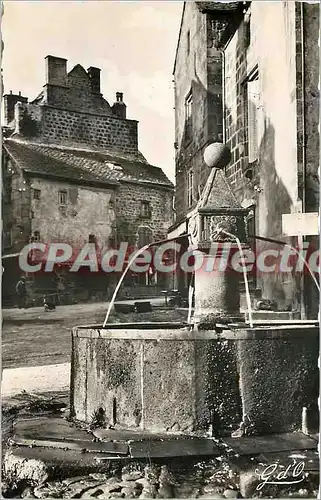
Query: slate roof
[[88, 166]]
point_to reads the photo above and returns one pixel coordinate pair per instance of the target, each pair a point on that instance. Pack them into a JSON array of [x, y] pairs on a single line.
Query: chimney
[[56, 71], [94, 77], [119, 107], [18, 114], [10, 100]]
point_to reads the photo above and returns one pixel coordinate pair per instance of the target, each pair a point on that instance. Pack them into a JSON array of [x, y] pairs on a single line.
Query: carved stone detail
[[193, 229], [219, 32], [230, 223]]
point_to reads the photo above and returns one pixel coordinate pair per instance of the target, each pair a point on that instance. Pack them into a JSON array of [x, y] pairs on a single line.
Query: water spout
[[247, 291], [307, 266], [295, 250], [138, 252], [190, 302]]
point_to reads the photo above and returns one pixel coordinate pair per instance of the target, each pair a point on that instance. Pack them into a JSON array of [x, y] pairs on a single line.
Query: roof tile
[[86, 165]]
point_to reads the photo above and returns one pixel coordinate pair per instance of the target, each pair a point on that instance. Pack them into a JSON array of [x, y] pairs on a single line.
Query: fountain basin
[[163, 377]]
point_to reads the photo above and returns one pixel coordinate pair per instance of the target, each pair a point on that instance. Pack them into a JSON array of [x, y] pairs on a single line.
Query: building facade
[[246, 74], [72, 173]]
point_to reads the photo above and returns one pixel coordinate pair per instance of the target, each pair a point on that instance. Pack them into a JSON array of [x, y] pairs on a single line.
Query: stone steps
[[52, 449]]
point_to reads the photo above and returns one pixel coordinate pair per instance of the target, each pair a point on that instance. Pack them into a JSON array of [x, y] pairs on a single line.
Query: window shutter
[[190, 188], [253, 110]]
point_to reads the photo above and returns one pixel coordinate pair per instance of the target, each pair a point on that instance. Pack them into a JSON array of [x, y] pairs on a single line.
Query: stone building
[[73, 173], [246, 74]]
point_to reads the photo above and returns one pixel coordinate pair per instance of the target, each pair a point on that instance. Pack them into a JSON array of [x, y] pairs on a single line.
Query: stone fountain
[[216, 374], [181, 410]]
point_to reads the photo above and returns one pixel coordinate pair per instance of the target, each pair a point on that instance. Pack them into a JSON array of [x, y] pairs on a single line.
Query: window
[[32, 214], [188, 116], [247, 30], [145, 236], [254, 118], [62, 196], [36, 236], [36, 194], [145, 209], [190, 188], [188, 42], [92, 239]]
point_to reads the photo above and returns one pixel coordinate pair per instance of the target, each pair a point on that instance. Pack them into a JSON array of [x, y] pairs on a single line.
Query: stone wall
[[72, 110], [191, 75], [309, 180], [88, 210], [98, 211], [311, 26], [16, 226], [112, 215], [64, 126], [269, 40], [129, 218], [95, 130], [75, 92], [16, 208], [271, 55]]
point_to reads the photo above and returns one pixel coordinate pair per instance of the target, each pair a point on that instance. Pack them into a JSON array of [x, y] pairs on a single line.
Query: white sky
[[132, 42]]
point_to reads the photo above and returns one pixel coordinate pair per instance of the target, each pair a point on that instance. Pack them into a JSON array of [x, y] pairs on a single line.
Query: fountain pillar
[[218, 221], [217, 294]]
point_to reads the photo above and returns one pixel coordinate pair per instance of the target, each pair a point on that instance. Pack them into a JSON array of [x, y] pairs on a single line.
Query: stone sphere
[[217, 155]]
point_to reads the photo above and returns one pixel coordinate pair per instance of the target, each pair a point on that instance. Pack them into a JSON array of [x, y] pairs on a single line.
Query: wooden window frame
[[36, 194], [145, 209], [62, 194]]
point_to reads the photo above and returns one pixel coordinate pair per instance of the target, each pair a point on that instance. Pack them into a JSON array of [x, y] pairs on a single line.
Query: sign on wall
[[300, 224]]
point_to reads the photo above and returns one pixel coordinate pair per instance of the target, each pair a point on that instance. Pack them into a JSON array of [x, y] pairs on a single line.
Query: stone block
[[169, 379], [159, 380], [278, 378]]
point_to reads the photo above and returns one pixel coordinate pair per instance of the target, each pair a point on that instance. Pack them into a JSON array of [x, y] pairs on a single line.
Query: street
[[36, 345], [32, 337]]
